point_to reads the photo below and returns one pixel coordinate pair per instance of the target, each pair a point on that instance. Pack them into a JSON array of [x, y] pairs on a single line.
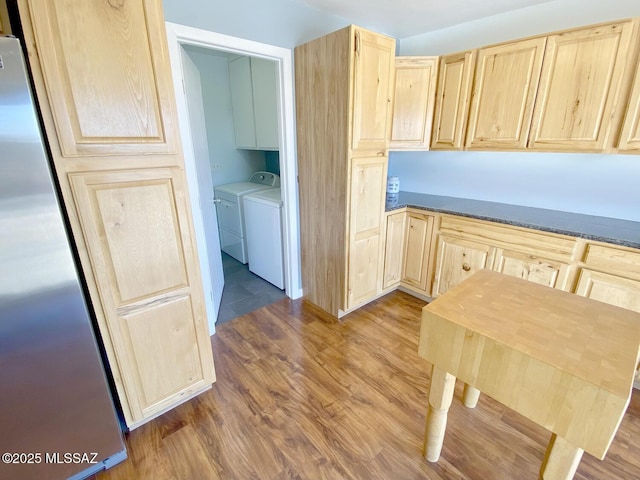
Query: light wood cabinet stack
[[343, 106], [103, 82], [560, 92]]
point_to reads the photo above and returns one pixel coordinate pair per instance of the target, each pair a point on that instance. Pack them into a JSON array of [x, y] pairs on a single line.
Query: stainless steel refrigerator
[[57, 416]]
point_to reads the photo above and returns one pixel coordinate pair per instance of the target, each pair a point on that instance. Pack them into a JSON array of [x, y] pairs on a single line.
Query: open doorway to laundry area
[[200, 64]]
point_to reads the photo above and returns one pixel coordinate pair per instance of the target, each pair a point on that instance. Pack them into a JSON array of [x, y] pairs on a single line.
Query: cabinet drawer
[[607, 288], [532, 267]]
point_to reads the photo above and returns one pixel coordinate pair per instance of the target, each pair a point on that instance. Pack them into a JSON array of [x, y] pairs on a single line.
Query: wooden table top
[[594, 341]]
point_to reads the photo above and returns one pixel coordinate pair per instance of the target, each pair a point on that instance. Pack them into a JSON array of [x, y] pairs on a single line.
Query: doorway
[[201, 195]]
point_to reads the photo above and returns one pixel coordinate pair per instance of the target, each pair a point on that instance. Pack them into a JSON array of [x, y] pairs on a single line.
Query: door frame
[[179, 35]]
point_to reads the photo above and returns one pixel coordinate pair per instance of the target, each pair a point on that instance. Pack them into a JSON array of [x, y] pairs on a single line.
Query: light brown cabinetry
[[413, 103], [611, 275], [630, 135], [529, 266], [466, 245], [394, 249], [109, 114], [5, 28], [415, 268], [504, 89], [455, 74], [366, 194], [343, 92], [373, 62], [582, 90], [458, 259]]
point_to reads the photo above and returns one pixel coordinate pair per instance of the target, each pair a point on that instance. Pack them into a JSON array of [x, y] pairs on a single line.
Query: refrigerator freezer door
[[57, 415]]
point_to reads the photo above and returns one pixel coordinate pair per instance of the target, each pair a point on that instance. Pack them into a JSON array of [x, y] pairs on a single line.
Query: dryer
[[230, 211], [263, 216]]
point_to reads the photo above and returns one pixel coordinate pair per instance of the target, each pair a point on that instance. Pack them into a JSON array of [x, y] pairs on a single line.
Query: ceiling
[[406, 18]]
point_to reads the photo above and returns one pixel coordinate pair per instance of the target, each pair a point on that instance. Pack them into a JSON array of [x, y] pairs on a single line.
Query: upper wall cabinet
[[504, 89], [373, 77], [630, 136], [452, 101], [99, 107], [583, 88], [254, 98], [414, 99]]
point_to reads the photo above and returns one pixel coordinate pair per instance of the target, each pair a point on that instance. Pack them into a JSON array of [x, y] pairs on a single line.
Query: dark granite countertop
[[610, 230]]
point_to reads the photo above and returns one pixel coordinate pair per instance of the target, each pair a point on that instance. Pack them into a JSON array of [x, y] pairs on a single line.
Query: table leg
[[561, 460], [470, 396], [440, 396]]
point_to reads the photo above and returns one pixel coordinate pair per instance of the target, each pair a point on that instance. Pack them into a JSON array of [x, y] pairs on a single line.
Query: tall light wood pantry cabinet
[[103, 82], [343, 103]]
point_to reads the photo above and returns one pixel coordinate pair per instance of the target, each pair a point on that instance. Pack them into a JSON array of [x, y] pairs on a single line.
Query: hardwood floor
[[300, 395]]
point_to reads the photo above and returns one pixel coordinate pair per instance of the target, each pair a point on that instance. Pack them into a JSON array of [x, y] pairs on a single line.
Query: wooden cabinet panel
[[457, 260], [141, 250], [611, 289], [630, 135], [372, 82], [532, 268], [413, 103], [103, 82], [455, 74], [368, 178], [107, 76], [504, 89], [343, 85], [580, 88], [4, 19], [416, 258], [394, 249]]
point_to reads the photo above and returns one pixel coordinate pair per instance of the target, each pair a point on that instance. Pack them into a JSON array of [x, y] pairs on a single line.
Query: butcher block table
[[563, 361]]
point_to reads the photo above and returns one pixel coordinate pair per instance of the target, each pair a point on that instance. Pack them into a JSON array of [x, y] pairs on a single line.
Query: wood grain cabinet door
[[415, 267], [457, 260], [581, 95], [455, 75], [366, 214], [533, 268], [630, 135], [413, 103], [107, 76], [372, 82], [393, 249], [504, 89], [141, 249], [607, 288]]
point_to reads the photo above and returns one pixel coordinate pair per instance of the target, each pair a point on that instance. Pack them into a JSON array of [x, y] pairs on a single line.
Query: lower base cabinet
[[415, 268]]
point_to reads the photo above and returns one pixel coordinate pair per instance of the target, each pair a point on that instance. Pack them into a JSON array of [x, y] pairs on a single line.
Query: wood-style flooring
[[300, 395]]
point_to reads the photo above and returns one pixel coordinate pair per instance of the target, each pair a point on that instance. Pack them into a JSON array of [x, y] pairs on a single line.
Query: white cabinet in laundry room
[[254, 98]]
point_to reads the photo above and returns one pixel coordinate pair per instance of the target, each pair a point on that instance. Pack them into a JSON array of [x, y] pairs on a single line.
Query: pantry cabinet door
[[582, 88], [504, 89], [372, 82], [141, 250], [366, 214], [107, 76], [455, 75]]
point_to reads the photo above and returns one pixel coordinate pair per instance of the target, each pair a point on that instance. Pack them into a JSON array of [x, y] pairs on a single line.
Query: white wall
[[605, 185], [228, 164], [283, 23]]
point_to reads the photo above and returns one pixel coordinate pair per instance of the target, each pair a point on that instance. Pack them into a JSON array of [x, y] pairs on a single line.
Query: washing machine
[[263, 220], [230, 211]]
